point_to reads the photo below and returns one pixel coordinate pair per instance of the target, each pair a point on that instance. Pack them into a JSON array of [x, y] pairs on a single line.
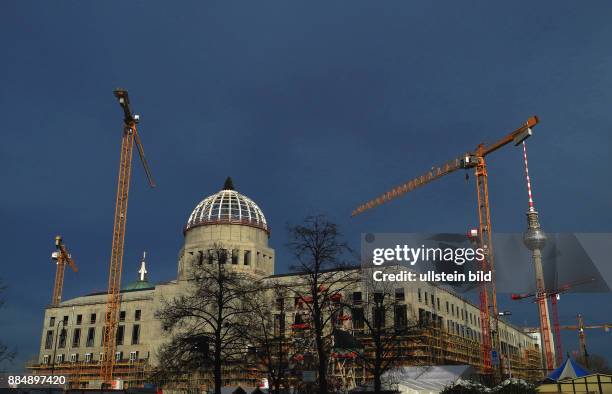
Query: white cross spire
[[143, 268]]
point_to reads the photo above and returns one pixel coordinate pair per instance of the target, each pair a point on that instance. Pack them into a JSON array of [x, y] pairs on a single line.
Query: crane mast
[[129, 138], [476, 160], [554, 295], [61, 257], [580, 327]]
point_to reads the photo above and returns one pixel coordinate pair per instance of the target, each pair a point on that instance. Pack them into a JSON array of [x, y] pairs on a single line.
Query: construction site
[[111, 339]]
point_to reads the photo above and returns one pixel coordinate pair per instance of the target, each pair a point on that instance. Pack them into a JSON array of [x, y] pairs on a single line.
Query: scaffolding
[[84, 374]]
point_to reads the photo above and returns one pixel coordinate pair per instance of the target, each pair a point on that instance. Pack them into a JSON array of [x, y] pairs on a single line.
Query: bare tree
[[204, 322], [266, 333], [6, 355], [323, 273], [380, 319]]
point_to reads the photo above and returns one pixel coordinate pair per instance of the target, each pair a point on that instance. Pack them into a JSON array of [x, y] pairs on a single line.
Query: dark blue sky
[[310, 108]]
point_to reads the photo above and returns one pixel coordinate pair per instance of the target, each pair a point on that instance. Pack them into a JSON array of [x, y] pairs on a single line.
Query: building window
[[211, 256], [422, 317], [379, 297], [118, 356], [432, 301], [120, 334], [46, 359], [419, 292], [92, 318], [222, 256], [51, 321], [79, 319], [76, 337], [379, 317], [49, 339], [356, 297], [122, 316], [135, 334], [137, 315], [74, 357], [279, 325], [247, 257], [400, 319], [235, 256], [91, 336], [280, 303], [399, 295], [87, 357], [59, 358], [438, 302], [65, 321], [133, 356], [426, 299], [102, 357], [447, 307], [62, 339], [358, 319]]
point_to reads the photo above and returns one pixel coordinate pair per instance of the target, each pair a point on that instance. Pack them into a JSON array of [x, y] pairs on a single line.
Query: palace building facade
[[448, 326]]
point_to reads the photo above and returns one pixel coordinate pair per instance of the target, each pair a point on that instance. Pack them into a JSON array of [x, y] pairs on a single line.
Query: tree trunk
[[377, 366], [217, 373]]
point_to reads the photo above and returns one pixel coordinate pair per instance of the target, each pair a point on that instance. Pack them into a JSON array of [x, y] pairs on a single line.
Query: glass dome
[[227, 207]]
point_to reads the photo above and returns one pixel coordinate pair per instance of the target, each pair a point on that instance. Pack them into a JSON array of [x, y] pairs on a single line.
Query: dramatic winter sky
[[310, 107]]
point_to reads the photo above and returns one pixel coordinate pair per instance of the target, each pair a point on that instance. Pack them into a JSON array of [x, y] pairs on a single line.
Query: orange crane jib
[[467, 160], [580, 327], [130, 136], [476, 160], [62, 257]]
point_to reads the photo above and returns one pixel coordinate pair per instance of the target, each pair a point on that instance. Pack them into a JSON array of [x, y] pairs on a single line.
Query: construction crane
[[61, 257], [129, 138], [554, 296], [580, 327], [476, 160]]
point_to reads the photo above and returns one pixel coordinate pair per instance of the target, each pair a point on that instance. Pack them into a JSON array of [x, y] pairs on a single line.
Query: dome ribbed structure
[[227, 207]]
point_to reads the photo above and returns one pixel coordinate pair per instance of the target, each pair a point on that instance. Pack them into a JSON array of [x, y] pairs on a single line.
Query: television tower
[[535, 239]]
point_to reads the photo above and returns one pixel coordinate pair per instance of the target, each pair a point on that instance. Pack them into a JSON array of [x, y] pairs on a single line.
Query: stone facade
[[72, 331]]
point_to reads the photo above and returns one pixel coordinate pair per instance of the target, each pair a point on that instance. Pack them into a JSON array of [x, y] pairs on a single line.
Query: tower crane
[[580, 327], [554, 296], [61, 257], [129, 138], [476, 160]]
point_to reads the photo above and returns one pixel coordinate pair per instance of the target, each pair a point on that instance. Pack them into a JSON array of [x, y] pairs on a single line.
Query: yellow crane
[[61, 257], [130, 137], [580, 327]]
